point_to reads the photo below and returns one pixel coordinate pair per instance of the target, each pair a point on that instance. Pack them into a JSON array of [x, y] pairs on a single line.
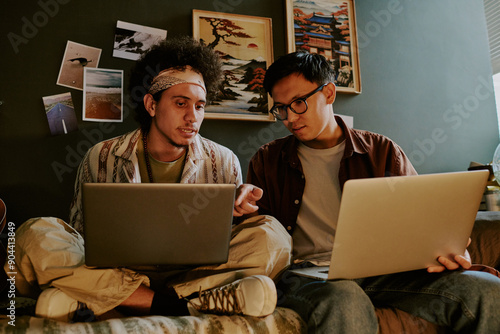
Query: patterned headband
[[169, 78]]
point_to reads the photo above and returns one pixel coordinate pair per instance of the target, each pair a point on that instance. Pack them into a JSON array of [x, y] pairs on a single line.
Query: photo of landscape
[[76, 58], [133, 40], [103, 95], [60, 113]]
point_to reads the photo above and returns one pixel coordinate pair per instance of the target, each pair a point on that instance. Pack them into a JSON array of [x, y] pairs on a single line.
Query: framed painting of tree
[[327, 27], [244, 44]]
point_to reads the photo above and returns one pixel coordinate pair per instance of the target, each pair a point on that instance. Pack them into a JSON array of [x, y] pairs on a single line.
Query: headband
[[172, 77]]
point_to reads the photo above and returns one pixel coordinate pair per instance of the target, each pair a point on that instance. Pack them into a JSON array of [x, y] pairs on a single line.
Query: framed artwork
[[327, 27], [244, 44]]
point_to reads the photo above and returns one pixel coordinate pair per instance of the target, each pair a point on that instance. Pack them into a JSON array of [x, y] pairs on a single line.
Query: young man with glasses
[[302, 176]]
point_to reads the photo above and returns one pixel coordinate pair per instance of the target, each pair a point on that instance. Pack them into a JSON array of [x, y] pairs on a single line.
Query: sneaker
[[255, 296], [55, 304]]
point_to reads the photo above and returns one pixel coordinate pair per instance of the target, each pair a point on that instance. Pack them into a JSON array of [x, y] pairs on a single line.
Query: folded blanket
[[281, 321]]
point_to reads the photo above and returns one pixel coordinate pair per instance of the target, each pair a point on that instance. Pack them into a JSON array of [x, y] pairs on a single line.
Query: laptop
[[136, 224], [402, 223]]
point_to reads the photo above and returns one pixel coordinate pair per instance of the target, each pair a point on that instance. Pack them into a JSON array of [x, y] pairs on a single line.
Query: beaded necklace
[[149, 168], [146, 156]]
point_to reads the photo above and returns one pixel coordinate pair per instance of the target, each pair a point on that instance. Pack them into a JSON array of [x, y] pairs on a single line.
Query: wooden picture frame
[[327, 27], [246, 49]]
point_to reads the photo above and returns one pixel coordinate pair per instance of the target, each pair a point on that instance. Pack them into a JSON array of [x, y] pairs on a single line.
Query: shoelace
[[224, 301]]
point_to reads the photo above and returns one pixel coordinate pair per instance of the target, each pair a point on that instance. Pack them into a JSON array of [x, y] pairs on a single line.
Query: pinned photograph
[[60, 113], [76, 58], [103, 95], [132, 40]]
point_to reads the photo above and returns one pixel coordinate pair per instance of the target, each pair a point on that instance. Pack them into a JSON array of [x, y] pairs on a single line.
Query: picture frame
[[246, 49], [327, 27]]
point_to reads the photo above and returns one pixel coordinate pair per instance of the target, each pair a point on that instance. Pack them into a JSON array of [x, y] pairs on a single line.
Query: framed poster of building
[[327, 27]]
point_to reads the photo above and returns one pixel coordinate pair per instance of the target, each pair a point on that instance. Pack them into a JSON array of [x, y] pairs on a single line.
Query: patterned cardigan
[[115, 161]]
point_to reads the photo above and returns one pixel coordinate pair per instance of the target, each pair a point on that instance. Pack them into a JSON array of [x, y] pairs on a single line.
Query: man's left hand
[[246, 197], [459, 261]]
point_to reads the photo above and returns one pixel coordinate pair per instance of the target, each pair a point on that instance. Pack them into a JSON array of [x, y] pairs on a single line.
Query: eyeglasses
[[298, 106]]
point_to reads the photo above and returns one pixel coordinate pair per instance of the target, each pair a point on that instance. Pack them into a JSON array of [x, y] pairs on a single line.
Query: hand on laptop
[[460, 261], [246, 197]]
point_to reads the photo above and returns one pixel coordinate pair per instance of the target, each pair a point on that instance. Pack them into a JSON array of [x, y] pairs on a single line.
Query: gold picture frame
[[246, 49], [327, 27]]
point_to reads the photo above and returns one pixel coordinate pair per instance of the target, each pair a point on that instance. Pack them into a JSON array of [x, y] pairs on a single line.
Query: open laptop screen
[[129, 224]]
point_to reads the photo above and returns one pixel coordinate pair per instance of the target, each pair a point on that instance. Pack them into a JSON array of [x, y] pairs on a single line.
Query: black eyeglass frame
[[289, 106]]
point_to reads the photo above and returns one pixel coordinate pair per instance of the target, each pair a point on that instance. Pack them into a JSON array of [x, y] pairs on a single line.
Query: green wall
[[425, 73]]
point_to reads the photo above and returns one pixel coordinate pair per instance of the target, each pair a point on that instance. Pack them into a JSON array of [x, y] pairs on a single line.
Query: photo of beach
[[133, 40], [103, 95]]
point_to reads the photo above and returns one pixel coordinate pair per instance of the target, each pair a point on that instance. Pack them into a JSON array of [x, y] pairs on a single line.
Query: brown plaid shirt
[[276, 168]]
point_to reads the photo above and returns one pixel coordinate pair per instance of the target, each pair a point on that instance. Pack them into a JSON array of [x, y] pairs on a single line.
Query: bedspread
[[281, 321]]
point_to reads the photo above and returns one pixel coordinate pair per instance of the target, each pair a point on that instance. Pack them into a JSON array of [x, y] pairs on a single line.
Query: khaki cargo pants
[[50, 253]]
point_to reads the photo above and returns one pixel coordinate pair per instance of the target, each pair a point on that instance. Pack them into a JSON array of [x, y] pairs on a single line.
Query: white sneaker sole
[[55, 304]]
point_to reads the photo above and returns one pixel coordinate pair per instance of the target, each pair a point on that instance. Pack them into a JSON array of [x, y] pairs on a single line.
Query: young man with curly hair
[[173, 81]]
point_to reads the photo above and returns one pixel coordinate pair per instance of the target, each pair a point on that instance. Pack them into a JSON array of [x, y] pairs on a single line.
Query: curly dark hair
[[175, 53], [314, 67]]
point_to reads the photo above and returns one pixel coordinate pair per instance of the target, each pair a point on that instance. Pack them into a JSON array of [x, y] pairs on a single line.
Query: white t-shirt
[[317, 220]]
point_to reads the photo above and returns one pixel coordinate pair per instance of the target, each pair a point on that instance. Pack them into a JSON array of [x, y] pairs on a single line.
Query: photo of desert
[[76, 58]]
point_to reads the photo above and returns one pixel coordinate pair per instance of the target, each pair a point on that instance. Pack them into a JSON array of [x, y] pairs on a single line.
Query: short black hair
[[176, 53], [314, 67]]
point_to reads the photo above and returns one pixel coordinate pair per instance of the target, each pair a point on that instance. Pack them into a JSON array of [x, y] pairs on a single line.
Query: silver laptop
[[134, 224], [402, 223]]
